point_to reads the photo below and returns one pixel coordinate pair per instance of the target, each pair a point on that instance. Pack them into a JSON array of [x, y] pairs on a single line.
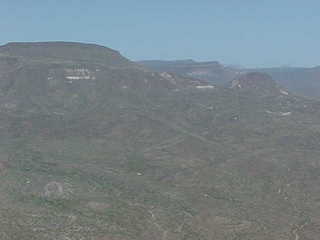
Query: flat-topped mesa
[[64, 51], [255, 81], [68, 78]]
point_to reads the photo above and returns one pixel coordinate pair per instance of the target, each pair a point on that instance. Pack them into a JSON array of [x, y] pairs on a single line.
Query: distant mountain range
[[303, 81], [95, 146]]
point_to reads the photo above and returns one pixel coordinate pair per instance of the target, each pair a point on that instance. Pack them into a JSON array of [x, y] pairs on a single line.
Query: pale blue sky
[[242, 32]]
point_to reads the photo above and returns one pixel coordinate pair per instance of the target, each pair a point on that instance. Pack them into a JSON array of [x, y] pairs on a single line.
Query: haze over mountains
[[302, 81], [97, 147]]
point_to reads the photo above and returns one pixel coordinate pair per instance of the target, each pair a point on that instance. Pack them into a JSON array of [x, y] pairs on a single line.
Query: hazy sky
[[242, 32]]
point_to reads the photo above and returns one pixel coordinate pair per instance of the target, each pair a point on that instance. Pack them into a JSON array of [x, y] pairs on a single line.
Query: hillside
[[98, 149], [302, 81], [213, 71]]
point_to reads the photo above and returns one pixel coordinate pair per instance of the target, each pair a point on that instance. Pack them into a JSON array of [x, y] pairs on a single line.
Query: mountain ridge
[[300, 80], [64, 51]]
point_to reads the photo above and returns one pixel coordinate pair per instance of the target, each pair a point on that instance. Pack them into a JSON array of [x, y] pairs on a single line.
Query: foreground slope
[[99, 150]]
